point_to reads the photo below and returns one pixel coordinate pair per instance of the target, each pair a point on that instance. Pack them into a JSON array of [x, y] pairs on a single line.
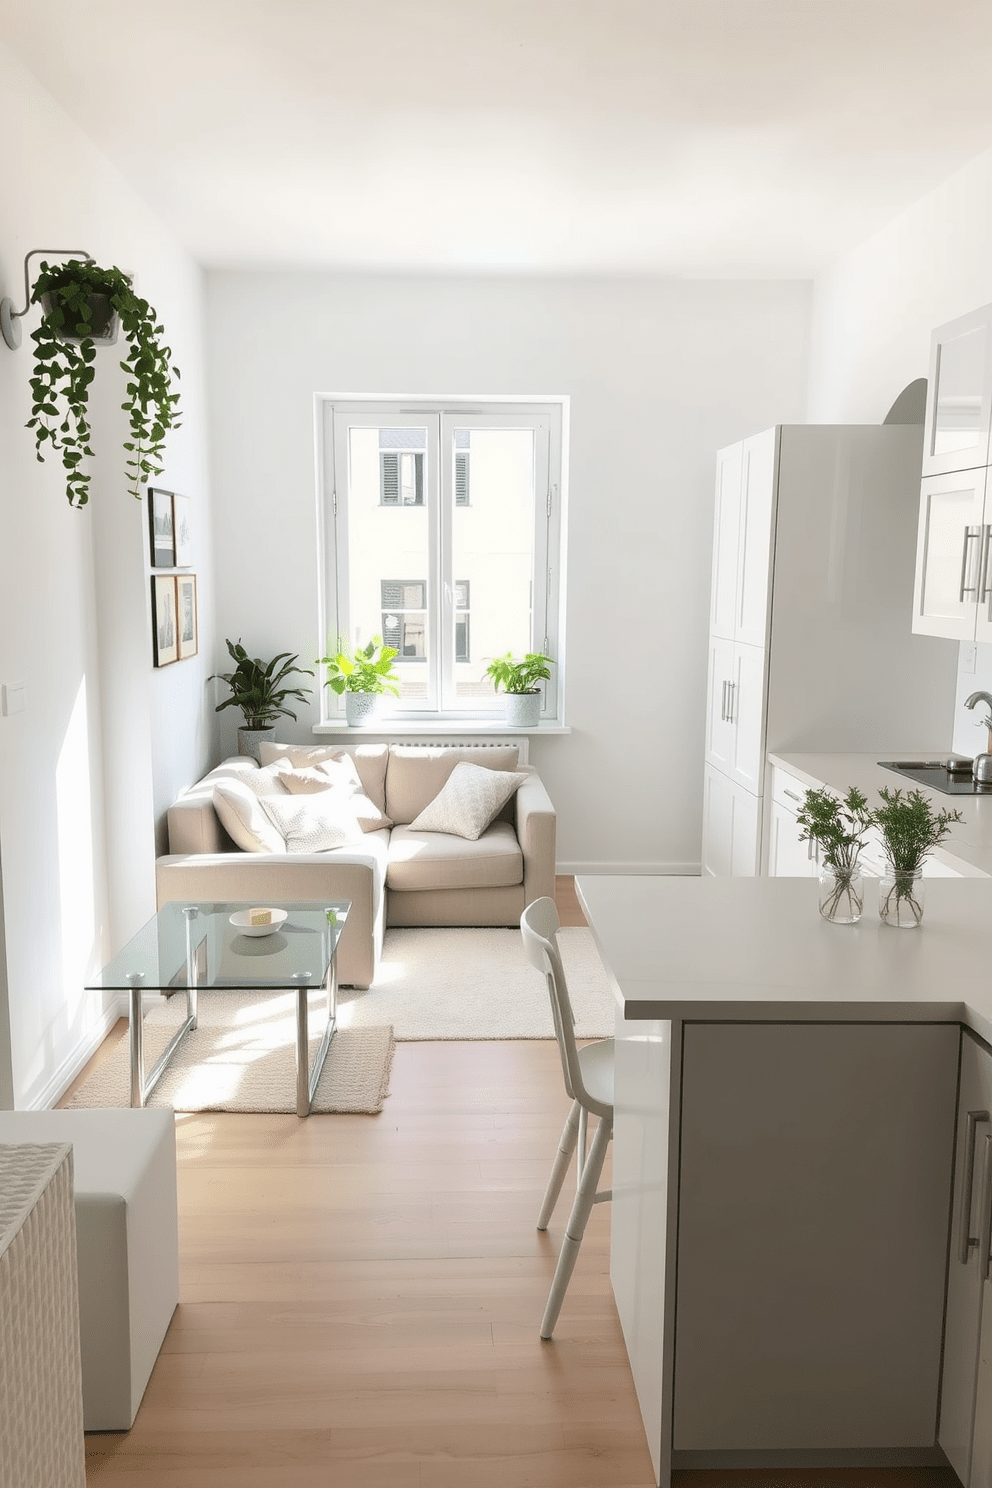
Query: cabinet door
[[730, 827], [726, 526], [757, 513], [951, 555], [720, 744], [972, 1209], [788, 857], [959, 394], [747, 716]]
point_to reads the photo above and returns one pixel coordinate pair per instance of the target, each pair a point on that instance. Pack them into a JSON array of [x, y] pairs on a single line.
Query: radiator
[[522, 745], [41, 1392]]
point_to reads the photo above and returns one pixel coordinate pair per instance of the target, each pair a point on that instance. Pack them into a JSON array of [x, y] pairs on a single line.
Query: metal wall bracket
[[10, 319]]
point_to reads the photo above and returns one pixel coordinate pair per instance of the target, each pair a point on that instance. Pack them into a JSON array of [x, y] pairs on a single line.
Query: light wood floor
[[361, 1295]]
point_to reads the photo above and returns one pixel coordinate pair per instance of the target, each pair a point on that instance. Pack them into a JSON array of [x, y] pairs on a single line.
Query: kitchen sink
[[952, 776]]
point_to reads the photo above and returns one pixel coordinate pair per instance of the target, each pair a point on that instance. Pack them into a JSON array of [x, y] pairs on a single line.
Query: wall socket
[[969, 656], [11, 698]]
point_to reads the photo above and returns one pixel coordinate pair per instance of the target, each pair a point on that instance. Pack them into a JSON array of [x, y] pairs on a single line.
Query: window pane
[[388, 548], [492, 551]]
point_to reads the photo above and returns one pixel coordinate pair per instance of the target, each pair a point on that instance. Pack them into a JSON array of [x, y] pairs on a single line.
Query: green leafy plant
[[519, 676], [255, 686], [76, 297], [838, 827], [364, 669], [910, 829]]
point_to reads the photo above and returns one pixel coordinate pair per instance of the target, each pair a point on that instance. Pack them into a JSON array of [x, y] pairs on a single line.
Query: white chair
[[588, 1076]]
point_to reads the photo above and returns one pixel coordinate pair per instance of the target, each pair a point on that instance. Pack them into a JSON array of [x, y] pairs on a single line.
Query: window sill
[[447, 728]]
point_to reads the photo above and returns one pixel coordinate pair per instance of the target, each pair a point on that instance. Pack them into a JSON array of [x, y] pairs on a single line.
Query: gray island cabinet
[[793, 1159]]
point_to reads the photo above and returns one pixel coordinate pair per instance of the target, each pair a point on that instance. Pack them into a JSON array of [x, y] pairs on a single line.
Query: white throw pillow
[[311, 824], [240, 813], [338, 775], [469, 800], [268, 781]]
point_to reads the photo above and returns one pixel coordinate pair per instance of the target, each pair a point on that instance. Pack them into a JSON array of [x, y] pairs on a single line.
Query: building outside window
[[443, 534]]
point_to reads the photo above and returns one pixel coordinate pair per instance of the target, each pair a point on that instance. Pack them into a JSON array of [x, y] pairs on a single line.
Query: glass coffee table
[[191, 948]]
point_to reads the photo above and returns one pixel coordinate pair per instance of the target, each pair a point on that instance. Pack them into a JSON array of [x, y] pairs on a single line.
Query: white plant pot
[[361, 707], [523, 709], [250, 739]]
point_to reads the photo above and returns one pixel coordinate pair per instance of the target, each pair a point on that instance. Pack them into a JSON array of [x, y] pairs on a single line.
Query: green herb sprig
[[837, 826]]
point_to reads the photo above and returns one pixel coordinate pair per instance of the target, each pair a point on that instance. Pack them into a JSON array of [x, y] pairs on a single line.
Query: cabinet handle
[[985, 588], [731, 690], [723, 702], [791, 794], [971, 534], [965, 1241], [985, 1235]]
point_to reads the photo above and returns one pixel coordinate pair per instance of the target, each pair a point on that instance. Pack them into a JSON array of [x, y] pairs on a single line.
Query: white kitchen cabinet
[[953, 589], [730, 827], [963, 1431], [813, 561], [788, 857], [959, 394]]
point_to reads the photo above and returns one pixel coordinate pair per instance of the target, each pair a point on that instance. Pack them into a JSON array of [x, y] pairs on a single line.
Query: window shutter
[[461, 478], [389, 479]]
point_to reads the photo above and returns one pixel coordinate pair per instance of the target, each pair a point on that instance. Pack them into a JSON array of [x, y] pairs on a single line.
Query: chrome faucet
[[980, 697], [982, 767]]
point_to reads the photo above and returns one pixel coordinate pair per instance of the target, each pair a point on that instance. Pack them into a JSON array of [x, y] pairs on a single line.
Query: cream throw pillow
[[469, 800], [336, 775], [312, 824], [268, 781], [240, 813]]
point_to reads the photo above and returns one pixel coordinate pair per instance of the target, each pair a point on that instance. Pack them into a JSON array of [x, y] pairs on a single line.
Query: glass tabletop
[[196, 945]]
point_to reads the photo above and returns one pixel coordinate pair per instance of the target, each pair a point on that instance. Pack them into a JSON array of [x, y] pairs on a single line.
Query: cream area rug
[[242, 1057], [477, 984]]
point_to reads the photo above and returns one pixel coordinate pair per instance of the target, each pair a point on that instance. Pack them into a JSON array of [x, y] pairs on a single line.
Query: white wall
[[873, 313], [104, 741], [659, 374]]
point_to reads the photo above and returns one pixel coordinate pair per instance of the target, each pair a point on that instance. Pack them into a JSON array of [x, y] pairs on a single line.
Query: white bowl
[[242, 920]]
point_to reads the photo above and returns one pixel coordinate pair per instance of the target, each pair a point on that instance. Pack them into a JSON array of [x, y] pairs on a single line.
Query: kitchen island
[[786, 1142]]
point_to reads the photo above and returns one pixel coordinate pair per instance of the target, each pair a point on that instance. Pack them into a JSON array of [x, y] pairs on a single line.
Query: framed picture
[[183, 531], [186, 615], [164, 620], [162, 528]]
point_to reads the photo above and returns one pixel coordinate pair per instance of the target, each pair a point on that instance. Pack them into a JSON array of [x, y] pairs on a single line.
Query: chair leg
[[566, 1146], [583, 1129], [576, 1226]]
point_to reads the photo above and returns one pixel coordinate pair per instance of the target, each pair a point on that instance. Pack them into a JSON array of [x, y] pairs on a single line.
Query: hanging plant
[[80, 301]]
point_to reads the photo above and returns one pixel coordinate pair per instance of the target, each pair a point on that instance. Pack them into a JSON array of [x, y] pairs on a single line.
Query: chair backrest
[[539, 928]]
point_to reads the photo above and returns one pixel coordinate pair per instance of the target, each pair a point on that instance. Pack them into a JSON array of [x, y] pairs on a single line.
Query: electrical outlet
[[969, 657], [12, 698]]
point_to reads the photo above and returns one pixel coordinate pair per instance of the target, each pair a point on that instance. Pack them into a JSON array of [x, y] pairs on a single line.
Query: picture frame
[[187, 628], [182, 531], [162, 530], [164, 627]]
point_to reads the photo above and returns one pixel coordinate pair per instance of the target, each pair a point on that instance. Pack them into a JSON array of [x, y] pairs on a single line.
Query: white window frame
[[335, 415]]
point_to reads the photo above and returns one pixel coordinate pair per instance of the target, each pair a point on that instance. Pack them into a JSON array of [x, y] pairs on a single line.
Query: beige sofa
[[393, 876]]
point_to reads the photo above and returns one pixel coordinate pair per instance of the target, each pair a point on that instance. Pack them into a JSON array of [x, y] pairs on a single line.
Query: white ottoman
[[127, 1240]]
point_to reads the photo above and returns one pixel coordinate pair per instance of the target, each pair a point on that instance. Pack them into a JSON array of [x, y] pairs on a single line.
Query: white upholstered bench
[[127, 1241]]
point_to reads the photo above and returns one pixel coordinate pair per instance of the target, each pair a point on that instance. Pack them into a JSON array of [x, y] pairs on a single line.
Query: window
[[442, 534]]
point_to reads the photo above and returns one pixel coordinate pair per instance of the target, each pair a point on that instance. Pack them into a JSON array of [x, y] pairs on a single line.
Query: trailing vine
[[75, 297]]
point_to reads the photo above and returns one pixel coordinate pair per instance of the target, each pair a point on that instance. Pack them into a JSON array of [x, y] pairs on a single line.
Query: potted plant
[[82, 305], [838, 827], [363, 675], [910, 830], [256, 689], [518, 679]]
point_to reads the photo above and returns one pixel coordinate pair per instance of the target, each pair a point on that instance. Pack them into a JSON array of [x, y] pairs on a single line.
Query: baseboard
[[70, 1067], [864, 1457], [680, 870]]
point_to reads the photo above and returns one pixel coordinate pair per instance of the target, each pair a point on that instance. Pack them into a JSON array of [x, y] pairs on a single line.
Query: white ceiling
[[680, 137]]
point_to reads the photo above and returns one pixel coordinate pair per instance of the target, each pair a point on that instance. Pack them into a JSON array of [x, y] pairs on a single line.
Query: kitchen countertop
[[968, 847], [757, 950]]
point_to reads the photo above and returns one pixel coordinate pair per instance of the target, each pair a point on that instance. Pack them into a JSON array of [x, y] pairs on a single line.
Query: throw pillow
[[312, 824], [332, 775], [240, 813], [269, 780], [469, 800]]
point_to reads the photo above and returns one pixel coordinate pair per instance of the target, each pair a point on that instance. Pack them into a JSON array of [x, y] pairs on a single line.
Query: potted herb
[[518, 679], [838, 827], [83, 304], [256, 689], [363, 675], [910, 830]]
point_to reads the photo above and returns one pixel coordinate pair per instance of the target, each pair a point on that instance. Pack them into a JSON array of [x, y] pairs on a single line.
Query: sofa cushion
[[240, 813], [269, 780], [416, 774], [435, 860], [336, 775], [311, 824], [469, 800], [370, 762]]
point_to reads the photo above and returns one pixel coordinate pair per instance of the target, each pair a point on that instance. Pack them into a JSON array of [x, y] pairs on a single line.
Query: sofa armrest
[[536, 825], [278, 878]]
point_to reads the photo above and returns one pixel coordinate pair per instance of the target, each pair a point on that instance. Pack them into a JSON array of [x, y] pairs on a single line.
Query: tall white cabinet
[[811, 643]]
